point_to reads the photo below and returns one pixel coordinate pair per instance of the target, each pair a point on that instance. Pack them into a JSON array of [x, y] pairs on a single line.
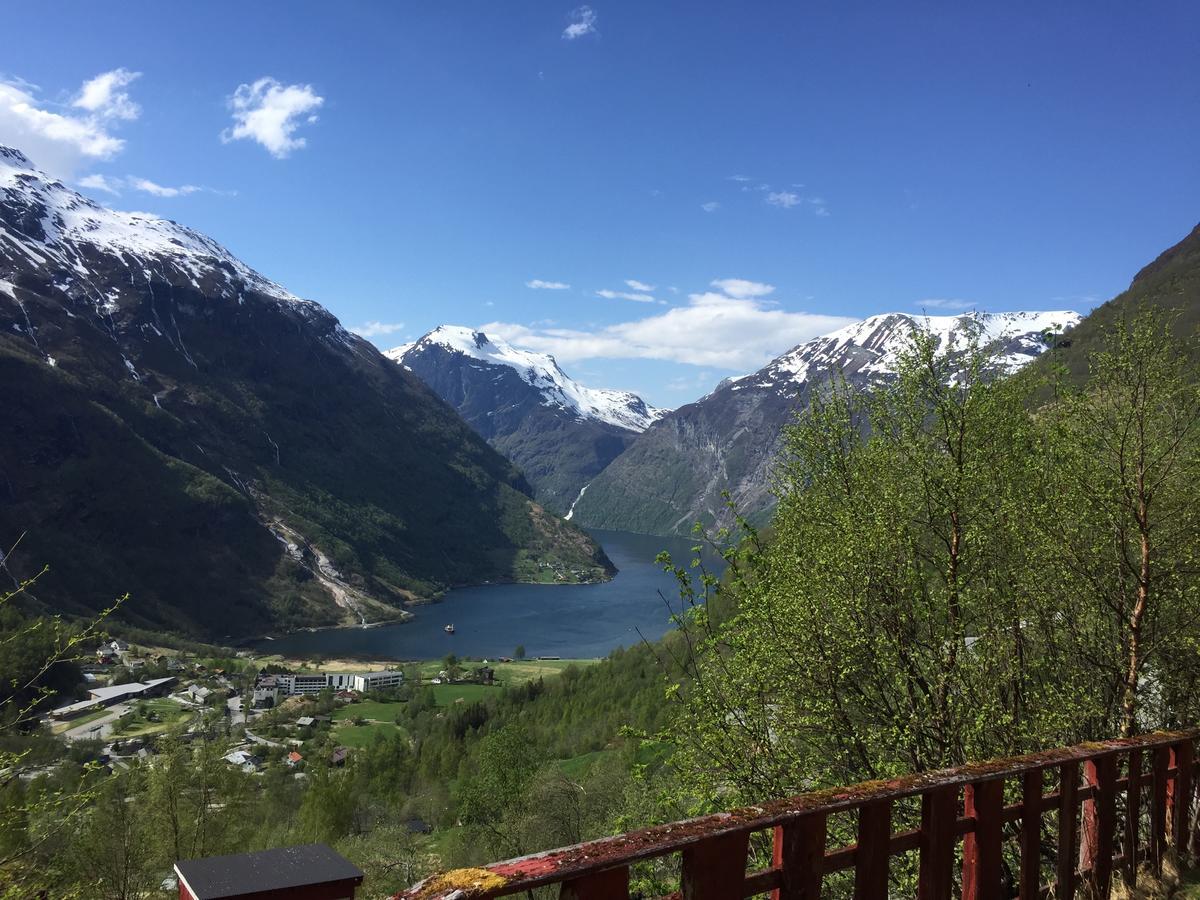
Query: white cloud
[[62, 142], [710, 206], [103, 95], [944, 303], [99, 183], [582, 21], [715, 328], [269, 112], [742, 178], [625, 295], [786, 199], [538, 285], [377, 329], [743, 289], [636, 285], [111, 184], [159, 190]]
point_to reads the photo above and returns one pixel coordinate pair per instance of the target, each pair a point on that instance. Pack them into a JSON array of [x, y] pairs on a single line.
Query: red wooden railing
[[1134, 801]]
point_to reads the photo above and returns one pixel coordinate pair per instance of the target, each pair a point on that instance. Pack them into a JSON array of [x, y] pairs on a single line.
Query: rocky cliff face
[[180, 427], [676, 472]]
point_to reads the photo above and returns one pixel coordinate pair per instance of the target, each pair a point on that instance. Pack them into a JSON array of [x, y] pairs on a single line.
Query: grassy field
[[368, 709], [168, 711], [449, 694], [359, 736], [577, 766], [512, 672], [381, 719]]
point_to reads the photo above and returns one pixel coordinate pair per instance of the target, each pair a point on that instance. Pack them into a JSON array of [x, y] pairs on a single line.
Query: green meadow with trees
[[960, 567]]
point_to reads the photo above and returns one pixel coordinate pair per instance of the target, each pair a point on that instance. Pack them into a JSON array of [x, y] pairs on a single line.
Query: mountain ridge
[[558, 432], [623, 409], [174, 416], [677, 472], [1169, 284]]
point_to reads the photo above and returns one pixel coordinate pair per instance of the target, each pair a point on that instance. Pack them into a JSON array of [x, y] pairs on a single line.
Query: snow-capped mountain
[[560, 433], [182, 428], [872, 348], [541, 372], [675, 473], [56, 227]]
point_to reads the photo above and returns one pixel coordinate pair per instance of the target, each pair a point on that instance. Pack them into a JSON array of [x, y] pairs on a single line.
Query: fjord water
[[567, 620]]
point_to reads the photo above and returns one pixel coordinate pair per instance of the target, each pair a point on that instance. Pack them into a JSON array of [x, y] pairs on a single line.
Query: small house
[[243, 759], [198, 692], [311, 871], [294, 758], [305, 722]]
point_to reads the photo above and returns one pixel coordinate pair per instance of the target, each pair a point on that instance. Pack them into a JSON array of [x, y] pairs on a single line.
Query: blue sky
[[427, 162]]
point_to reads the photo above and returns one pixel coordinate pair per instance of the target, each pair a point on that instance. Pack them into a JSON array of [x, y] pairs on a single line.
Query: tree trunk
[[1136, 617]]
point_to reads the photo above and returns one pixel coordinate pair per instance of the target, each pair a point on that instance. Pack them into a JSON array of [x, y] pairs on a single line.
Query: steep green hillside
[[1171, 282], [182, 429], [680, 469]]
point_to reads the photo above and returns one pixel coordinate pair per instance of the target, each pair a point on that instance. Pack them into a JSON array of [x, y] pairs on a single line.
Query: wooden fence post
[[982, 846], [939, 834], [1180, 797], [1068, 786], [1031, 835], [1158, 808], [715, 869], [873, 855], [610, 884], [800, 858], [1133, 818], [1099, 823]]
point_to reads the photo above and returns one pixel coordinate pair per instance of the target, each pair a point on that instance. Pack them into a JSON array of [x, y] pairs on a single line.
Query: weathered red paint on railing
[[714, 849]]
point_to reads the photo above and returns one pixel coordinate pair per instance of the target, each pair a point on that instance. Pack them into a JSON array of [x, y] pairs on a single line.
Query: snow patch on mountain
[[873, 347], [62, 225], [540, 370]]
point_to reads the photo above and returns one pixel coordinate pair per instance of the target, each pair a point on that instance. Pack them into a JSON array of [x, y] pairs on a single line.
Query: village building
[[109, 695], [306, 684], [378, 681], [312, 871], [243, 759], [198, 693]]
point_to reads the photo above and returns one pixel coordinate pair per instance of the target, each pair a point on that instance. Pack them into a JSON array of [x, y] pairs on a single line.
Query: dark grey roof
[[268, 870]]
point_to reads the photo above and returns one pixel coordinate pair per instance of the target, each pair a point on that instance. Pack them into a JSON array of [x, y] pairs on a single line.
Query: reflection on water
[[579, 621]]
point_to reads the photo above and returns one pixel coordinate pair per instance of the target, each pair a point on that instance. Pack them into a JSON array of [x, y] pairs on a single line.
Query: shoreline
[[404, 616]]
